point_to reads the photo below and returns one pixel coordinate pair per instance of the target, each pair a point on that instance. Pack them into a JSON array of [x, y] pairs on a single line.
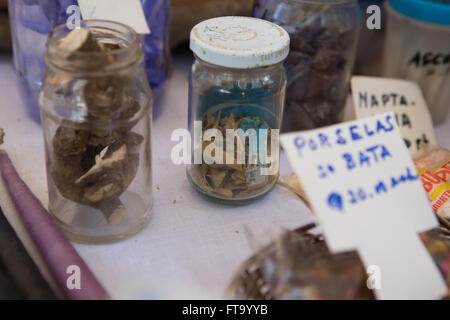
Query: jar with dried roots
[[96, 116]]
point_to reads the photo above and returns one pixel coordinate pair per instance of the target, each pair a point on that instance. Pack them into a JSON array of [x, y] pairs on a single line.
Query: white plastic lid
[[239, 42]]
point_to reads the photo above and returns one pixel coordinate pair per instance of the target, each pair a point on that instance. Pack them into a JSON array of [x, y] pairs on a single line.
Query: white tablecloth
[[191, 248]]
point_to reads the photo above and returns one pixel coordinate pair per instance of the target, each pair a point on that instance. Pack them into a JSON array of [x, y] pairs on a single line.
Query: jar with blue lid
[[417, 48], [236, 100]]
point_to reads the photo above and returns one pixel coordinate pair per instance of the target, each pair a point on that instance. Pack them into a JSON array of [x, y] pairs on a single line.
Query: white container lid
[[239, 42]]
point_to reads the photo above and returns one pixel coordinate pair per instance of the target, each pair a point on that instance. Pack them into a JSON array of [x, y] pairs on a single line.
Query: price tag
[[366, 192], [377, 95], [129, 12]]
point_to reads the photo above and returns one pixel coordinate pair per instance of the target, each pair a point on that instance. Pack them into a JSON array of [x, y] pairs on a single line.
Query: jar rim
[[318, 2], [257, 68], [129, 54]]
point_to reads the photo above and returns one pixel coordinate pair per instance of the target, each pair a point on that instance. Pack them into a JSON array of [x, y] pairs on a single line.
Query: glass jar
[[236, 101], [32, 20], [95, 106], [417, 48], [324, 36]]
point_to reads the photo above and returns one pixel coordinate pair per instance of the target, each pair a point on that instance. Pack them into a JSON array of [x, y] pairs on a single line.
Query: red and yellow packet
[[433, 165]]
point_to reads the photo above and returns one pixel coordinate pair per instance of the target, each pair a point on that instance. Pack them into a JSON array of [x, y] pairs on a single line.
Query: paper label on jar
[[129, 12], [367, 194], [373, 96]]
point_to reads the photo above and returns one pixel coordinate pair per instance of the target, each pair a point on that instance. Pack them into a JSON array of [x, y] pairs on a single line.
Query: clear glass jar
[[95, 106], [231, 97], [324, 36]]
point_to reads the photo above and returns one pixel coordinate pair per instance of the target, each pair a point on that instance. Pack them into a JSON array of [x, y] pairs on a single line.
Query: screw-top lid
[[434, 11], [239, 42]]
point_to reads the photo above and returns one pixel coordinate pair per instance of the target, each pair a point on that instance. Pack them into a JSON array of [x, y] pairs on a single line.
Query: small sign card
[[365, 190], [373, 96], [128, 12]]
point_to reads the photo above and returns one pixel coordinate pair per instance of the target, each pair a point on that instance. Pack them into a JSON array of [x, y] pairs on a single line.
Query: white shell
[[239, 42]]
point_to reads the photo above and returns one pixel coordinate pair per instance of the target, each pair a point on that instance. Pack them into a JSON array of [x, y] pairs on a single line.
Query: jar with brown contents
[[236, 100], [95, 108]]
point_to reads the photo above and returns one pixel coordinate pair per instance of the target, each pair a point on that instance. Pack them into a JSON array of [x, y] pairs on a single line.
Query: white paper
[[373, 95], [347, 172], [129, 12]]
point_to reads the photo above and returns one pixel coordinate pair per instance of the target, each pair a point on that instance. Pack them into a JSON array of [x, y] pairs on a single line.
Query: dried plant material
[[298, 265], [94, 161], [114, 211], [318, 68], [102, 165], [104, 96], [80, 40], [2, 135], [433, 164], [232, 180]]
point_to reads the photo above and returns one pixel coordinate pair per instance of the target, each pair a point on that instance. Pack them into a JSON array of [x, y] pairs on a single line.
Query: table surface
[[191, 247]]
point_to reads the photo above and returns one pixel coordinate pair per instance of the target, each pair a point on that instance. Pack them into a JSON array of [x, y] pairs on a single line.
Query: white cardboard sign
[[373, 95], [129, 12], [366, 192]]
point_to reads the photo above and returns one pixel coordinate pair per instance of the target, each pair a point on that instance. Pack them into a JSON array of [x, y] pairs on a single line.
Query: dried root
[[231, 180]]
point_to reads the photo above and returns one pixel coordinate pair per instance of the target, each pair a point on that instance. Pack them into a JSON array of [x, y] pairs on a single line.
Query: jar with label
[[95, 106], [236, 100], [417, 48], [324, 36]]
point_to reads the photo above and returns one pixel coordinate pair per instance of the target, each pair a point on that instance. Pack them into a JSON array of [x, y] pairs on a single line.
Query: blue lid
[[434, 11]]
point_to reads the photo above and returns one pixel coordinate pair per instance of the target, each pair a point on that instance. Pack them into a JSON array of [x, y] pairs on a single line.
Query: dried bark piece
[[105, 188], [80, 40], [230, 179], [68, 157], [238, 178], [61, 80], [80, 172], [228, 122], [225, 192], [115, 160], [70, 142], [293, 184], [204, 184], [132, 140], [130, 107], [208, 121]]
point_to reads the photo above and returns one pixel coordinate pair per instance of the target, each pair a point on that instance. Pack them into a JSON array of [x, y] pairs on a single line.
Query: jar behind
[[419, 50], [323, 35], [32, 20], [96, 119]]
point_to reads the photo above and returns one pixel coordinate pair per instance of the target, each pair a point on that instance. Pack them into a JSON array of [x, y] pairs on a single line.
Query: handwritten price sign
[[366, 192], [373, 96]]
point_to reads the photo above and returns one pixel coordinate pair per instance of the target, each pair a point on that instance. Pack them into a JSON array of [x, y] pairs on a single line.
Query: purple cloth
[[55, 249]]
